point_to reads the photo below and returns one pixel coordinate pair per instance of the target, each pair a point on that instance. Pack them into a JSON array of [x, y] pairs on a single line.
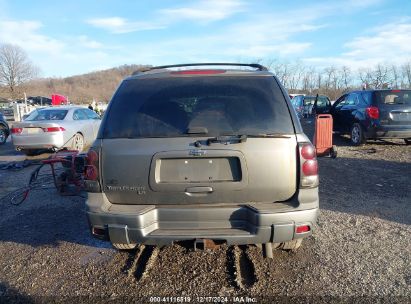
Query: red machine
[[58, 100], [323, 136], [68, 170]]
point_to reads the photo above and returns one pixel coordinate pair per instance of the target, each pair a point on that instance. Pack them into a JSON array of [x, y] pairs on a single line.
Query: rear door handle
[[198, 191]]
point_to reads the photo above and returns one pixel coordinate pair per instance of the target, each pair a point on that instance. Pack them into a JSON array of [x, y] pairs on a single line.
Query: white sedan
[[56, 128]]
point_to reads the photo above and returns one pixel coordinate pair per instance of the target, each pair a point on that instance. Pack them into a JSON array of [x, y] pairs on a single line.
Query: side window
[[352, 99], [340, 102], [79, 115], [356, 99], [91, 114], [366, 98]]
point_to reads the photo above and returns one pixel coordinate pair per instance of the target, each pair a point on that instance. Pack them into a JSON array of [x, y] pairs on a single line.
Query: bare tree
[[296, 74], [406, 73], [365, 75], [396, 77], [381, 76], [330, 78], [15, 67], [309, 79], [345, 74]]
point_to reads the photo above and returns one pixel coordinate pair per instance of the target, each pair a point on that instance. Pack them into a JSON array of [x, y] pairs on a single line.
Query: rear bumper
[[38, 141], [390, 132], [238, 224]]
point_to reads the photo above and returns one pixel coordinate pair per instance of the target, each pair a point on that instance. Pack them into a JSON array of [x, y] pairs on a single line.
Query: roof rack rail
[[257, 66]]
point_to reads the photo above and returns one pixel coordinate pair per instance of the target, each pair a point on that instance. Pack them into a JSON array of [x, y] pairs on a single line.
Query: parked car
[[298, 105], [322, 105], [8, 113], [374, 114], [56, 128], [309, 105], [202, 154], [4, 129]]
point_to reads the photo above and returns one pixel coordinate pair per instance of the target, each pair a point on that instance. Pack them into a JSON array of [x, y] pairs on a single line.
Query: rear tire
[[333, 152], [3, 136], [124, 246], [357, 135], [407, 141]]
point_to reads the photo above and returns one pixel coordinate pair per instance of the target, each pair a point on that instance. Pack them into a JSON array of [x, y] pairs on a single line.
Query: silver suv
[[202, 153]]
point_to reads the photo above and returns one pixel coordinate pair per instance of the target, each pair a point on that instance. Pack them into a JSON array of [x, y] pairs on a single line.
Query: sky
[[66, 38]]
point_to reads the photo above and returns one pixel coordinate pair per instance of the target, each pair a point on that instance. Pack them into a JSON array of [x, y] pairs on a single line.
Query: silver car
[[56, 128]]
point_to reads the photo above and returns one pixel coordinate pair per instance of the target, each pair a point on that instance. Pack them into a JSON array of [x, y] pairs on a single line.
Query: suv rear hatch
[[198, 139], [394, 107]]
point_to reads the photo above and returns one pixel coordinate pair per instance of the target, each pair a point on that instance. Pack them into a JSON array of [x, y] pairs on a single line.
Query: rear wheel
[[357, 135], [407, 141], [333, 152], [78, 142], [124, 246], [3, 136]]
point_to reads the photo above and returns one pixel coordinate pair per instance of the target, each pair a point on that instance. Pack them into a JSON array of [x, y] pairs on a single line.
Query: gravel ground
[[360, 250]]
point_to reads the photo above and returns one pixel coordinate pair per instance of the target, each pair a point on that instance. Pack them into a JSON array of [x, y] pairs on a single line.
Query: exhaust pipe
[[268, 250]]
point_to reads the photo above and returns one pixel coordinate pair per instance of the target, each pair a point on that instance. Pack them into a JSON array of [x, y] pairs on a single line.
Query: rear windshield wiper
[[227, 139], [232, 138]]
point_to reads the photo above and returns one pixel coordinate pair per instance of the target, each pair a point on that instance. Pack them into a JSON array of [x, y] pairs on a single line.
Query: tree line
[[333, 81], [18, 74]]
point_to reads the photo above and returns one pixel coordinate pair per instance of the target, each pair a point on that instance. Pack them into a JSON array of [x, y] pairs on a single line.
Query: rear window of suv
[[169, 107], [393, 97], [38, 115]]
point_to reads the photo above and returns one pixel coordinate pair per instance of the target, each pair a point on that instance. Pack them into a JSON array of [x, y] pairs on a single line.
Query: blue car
[[373, 114]]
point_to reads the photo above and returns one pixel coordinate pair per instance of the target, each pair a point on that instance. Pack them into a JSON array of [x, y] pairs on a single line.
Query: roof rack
[[257, 66]]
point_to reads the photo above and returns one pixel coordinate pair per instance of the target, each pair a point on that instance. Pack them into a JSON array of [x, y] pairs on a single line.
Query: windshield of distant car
[[52, 114], [309, 100], [321, 102], [220, 105], [394, 97]]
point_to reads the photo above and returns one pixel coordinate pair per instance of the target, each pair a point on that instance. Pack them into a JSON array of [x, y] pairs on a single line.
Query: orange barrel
[[323, 136]]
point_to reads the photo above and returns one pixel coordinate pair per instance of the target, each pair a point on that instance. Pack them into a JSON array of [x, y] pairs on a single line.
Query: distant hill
[[98, 85]]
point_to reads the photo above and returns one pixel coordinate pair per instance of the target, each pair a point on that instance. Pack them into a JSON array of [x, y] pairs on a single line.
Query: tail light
[[53, 129], [302, 229], [91, 171], [16, 130], [373, 112], [308, 166]]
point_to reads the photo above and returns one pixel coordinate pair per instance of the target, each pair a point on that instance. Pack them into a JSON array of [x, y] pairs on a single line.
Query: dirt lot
[[360, 250]]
